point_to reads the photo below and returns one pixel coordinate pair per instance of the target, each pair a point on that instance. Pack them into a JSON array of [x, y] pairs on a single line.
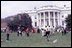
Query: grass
[[35, 40]]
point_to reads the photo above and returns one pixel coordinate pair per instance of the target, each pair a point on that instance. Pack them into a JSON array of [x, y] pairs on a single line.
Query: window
[[47, 22], [38, 15], [46, 14], [52, 22], [56, 22], [56, 14], [35, 23], [35, 18], [51, 14], [42, 22], [62, 16], [59, 12], [42, 15], [62, 22]]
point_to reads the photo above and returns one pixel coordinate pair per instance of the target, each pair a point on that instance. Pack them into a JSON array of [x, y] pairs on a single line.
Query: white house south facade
[[49, 16]]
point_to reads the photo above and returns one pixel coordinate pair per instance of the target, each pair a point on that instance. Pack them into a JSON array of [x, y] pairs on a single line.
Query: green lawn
[[35, 40]]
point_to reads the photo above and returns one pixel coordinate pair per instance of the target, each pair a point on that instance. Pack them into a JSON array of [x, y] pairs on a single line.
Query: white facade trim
[[60, 12]]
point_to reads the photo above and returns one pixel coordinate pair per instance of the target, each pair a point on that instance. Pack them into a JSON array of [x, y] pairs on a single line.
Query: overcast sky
[[9, 8]]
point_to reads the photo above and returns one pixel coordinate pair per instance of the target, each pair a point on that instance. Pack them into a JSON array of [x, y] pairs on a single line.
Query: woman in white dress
[[43, 32]]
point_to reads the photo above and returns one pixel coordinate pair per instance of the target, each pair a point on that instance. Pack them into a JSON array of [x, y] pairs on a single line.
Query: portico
[[48, 18]]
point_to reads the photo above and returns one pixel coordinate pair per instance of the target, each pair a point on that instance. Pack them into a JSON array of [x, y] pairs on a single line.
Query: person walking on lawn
[[8, 31]]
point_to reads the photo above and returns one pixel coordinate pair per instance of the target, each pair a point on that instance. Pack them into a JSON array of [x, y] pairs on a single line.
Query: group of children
[[45, 32]]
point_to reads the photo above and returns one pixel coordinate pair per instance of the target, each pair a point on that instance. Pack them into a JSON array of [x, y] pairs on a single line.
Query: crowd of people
[[46, 32]]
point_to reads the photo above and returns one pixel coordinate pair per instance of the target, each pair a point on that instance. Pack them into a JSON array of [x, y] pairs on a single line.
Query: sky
[[9, 8]]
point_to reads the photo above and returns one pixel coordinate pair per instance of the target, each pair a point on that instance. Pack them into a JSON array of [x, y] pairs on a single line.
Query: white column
[[54, 19], [61, 19], [37, 20], [40, 20], [49, 18], [44, 19], [58, 18]]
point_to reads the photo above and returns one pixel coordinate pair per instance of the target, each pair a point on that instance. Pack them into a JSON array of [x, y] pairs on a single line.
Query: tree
[[26, 21], [68, 21], [23, 20]]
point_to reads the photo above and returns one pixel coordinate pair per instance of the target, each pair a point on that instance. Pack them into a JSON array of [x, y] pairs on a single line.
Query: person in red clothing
[[33, 30], [27, 32]]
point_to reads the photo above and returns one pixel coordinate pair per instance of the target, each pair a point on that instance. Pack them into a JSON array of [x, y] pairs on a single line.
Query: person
[[65, 31], [53, 30], [19, 31], [7, 33], [38, 30], [33, 30], [62, 31], [43, 32], [27, 32], [47, 32], [45, 28]]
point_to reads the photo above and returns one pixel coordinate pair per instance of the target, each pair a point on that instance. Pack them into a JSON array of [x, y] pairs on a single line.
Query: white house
[[49, 16]]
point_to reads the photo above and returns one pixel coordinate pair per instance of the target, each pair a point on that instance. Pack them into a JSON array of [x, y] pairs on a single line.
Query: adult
[[47, 32], [65, 31], [38, 30], [62, 30], [8, 31]]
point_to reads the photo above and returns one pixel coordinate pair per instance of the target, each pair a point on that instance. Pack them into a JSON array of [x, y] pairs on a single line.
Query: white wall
[[62, 13], [33, 18], [65, 14]]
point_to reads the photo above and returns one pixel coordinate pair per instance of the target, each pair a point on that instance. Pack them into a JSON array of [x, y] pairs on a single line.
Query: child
[[27, 32], [43, 32], [19, 31]]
